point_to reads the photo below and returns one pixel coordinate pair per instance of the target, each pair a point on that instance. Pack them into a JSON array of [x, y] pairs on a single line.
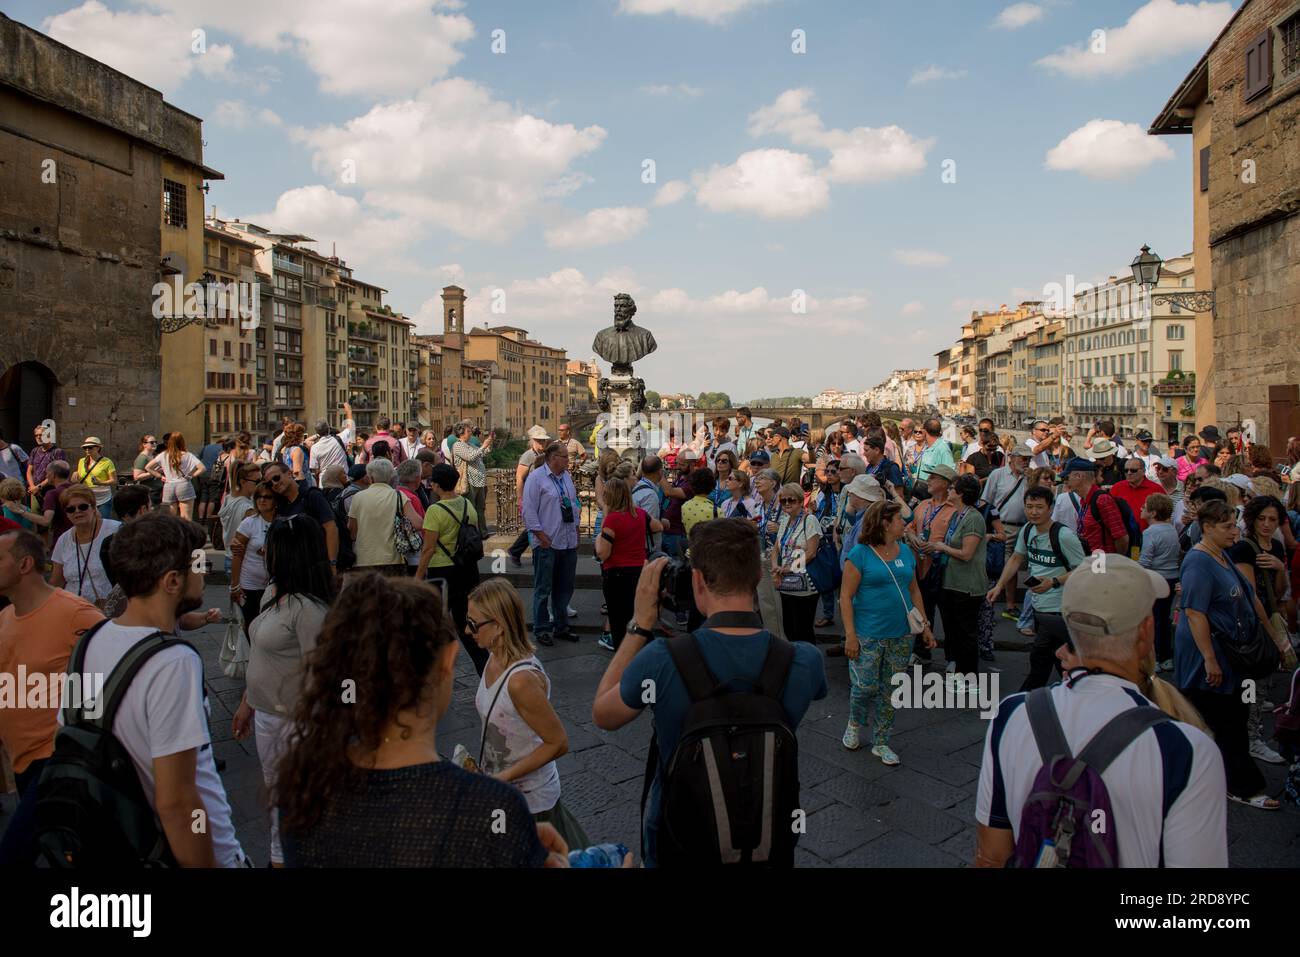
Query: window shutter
[[1205, 169], [1259, 67]]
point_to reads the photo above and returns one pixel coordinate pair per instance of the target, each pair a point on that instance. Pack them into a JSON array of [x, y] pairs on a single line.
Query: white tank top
[[510, 738]]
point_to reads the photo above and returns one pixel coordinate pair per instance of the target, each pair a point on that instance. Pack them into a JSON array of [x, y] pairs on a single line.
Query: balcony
[[327, 302], [286, 265], [1120, 378], [1172, 387], [363, 356], [288, 376], [1086, 379], [362, 403], [289, 323], [364, 331], [216, 262], [363, 382]]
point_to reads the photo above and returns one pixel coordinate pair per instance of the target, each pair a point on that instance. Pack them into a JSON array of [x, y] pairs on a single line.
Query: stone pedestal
[[623, 398]]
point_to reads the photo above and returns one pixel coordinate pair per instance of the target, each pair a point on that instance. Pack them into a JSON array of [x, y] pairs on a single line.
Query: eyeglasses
[[265, 498], [473, 626], [789, 501], [73, 509], [1134, 471], [275, 479]]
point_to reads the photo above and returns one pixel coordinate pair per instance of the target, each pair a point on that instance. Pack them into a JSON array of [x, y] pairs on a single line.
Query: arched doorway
[[26, 400]]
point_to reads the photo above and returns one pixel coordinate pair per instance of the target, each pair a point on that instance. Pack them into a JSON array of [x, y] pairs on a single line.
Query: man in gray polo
[[1005, 491]]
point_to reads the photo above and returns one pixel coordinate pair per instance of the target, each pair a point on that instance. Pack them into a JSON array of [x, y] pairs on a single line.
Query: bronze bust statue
[[623, 343]]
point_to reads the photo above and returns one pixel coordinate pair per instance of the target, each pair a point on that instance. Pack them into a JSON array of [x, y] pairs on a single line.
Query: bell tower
[[453, 314]]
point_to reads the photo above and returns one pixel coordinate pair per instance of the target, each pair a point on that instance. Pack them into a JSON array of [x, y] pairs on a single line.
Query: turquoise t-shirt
[[878, 612], [1043, 564]]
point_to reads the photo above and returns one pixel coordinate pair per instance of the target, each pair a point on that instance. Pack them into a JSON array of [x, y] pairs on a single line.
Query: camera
[[566, 512], [675, 591]]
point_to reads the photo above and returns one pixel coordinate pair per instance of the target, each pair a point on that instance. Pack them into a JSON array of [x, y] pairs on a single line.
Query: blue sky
[[393, 129]]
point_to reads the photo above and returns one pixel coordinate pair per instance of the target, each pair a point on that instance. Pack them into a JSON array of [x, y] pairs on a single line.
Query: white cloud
[[671, 192], [453, 272], [920, 257], [368, 241], [913, 308], [664, 89], [932, 73], [599, 227], [1108, 149], [238, 115], [378, 47], [776, 184], [1157, 31], [1019, 15], [711, 11], [860, 155], [502, 167], [156, 49]]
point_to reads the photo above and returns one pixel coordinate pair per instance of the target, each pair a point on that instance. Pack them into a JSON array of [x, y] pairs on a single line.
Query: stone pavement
[[860, 813]]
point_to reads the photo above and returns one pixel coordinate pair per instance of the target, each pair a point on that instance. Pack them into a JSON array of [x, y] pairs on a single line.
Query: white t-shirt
[[854, 446], [231, 515], [969, 449], [189, 465], [410, 447], [12, 461], [82, 570], [1066, 510], [165, 712], [325, 453], [252, 574], [1174, 755]]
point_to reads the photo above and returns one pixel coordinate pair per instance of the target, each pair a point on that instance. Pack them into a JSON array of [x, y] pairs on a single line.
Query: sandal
[[823, 622], [1261, 801]]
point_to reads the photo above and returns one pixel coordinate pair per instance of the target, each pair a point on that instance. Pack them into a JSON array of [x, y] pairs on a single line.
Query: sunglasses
[[73, 509], [789, 501], [275, 479], [1133, 471], [473, 626], [265, 498]]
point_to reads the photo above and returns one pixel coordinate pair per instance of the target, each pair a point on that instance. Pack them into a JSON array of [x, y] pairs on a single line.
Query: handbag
[[233, 656], [794, 582], [406, 537], [1256, 657], [915, 618]]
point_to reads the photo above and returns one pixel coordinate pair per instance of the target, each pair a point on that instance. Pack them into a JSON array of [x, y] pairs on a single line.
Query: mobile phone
[[1032, 582]]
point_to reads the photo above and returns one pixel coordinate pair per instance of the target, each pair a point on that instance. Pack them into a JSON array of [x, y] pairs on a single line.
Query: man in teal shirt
[[937, 452], [1049, 563]]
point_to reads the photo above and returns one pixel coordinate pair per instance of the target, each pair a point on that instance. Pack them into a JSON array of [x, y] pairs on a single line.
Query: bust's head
[[624, 310]]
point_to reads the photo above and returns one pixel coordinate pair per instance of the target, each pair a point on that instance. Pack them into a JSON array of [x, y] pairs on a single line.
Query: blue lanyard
[[559, 487], [789, 530], [930, 515]]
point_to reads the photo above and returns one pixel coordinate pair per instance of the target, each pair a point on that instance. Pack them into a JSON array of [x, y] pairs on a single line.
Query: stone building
[[91, 163], [1240, 105]]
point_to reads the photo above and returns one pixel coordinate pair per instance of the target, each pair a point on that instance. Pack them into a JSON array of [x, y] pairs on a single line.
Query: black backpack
[[91, 811], [1054, 537], [469, 541], [347, 556], [1125, 513], [731, 790]]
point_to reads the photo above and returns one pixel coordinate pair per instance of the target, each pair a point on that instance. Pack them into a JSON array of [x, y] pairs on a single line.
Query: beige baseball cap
[[1110, 599]]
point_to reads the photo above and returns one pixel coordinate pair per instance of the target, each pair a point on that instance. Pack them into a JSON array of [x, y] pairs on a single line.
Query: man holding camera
[[725, 572], [551, 517]]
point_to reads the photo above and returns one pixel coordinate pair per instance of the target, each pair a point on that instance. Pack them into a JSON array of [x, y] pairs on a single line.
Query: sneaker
[[568, 636], [606, 642], [516, 560], [1262, 752], [952, 666], [850, 739], [1011, 614], [886, 755], [1166, 665], [1028, 632], [1265, 706], [987, 656], [573, 612], [546, 640], [972, 686]]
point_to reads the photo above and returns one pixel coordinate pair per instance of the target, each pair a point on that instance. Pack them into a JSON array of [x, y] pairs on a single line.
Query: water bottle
[[600, 855]]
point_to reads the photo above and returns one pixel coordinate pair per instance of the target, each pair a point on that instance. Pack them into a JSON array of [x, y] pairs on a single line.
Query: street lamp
[[1146, 273]]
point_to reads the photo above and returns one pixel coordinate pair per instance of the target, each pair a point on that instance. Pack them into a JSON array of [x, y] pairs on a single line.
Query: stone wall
[[1254, 226]]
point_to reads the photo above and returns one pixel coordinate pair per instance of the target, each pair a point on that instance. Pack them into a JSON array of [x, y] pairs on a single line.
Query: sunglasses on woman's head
[[73, 509]]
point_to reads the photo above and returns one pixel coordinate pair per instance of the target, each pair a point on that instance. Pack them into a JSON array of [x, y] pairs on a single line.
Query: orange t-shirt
[[41, 642], [938, 524]]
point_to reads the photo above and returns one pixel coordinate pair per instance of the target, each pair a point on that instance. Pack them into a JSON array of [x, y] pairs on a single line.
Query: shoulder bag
[[915, 618], [1256, 657], [406, 537]]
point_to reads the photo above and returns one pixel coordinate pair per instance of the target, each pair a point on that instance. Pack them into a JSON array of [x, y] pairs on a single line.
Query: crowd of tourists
[[1155, 587]]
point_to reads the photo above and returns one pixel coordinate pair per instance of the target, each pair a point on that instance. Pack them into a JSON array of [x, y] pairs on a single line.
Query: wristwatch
[[634, 629], [1057, 582]]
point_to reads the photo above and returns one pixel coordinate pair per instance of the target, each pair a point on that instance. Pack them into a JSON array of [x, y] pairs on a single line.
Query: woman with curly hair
[[361, 782]]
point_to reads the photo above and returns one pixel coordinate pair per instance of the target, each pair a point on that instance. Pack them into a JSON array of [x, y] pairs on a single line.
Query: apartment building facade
[[1046, 347], [1119, 347], [534, 374], [230, 396]]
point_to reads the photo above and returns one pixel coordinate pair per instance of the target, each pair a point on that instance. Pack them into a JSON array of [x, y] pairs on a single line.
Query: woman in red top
[[621, 550]]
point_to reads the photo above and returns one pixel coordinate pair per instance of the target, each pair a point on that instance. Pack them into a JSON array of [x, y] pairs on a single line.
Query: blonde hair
[[618, 498], [11, 490], [504, 607], [606, 464], [76, 491]]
